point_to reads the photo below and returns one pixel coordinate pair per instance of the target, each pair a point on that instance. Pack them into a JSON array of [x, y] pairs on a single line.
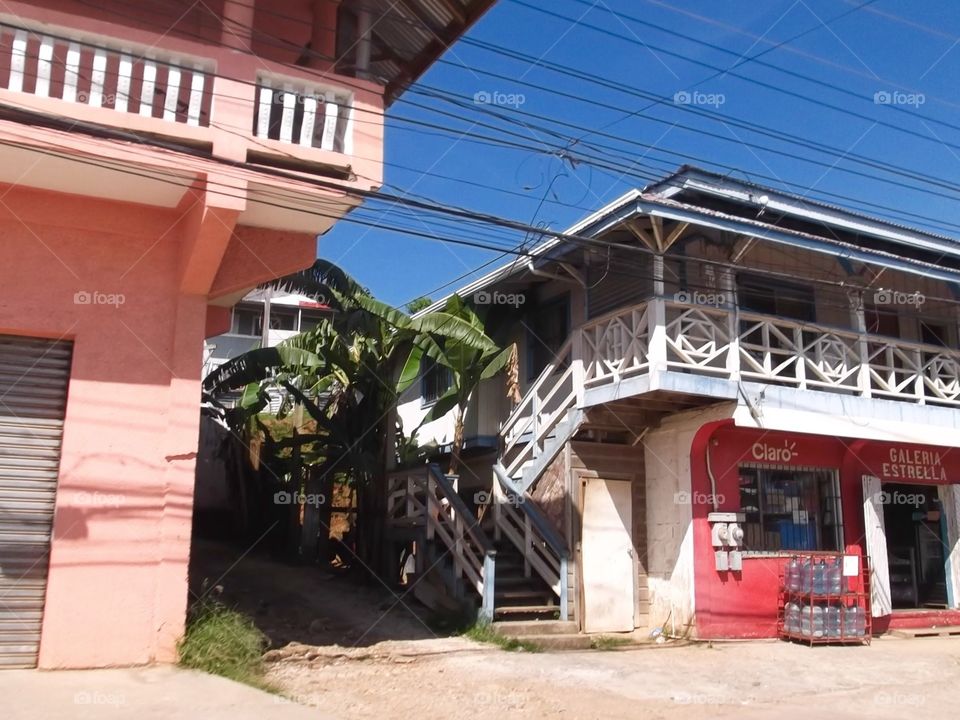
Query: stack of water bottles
[[818, 603]]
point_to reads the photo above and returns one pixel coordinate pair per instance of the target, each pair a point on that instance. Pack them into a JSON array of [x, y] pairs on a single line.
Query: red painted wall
[[744, 604]]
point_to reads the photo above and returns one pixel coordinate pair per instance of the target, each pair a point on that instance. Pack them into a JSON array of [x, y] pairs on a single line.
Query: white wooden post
[[863, 347], [172, 96], [918, 386], [331, 112], [729, 286], [124, 72], [148, 88], [18, 61], [71, 72], [579, 374], [263, 111], [44, 66], [98, 78], [657, 325], [801, 367]]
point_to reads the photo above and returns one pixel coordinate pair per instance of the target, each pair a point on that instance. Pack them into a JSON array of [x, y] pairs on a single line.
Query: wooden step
[[526, 612], [945, 631], [521, 593]]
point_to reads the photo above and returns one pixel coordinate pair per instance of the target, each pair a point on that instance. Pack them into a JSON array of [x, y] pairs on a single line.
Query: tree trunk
[[457, 443]]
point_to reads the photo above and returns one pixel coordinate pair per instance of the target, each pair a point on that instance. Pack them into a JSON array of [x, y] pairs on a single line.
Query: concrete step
[[514, 628], [558, 642]]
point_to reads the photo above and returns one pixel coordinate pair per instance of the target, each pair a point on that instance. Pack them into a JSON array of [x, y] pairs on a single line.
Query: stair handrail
[[532, 392], [448, 518], [545, 532]]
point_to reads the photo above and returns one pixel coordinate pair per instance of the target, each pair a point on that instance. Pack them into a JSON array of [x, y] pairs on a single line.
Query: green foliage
[[358, 359], [224, 642], [418, 304], [608, 642], [484, 632]]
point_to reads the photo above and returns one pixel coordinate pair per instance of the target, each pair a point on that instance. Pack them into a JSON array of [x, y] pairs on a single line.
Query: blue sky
[[908, 51]]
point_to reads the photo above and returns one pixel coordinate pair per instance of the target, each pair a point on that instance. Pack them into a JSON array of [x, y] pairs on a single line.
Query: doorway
[[915, 531], [607, 556]]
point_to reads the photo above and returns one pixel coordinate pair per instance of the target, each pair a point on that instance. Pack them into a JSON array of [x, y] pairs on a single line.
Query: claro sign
[[784, 452]]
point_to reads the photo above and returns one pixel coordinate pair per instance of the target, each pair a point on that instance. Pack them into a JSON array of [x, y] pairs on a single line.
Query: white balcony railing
[[304, 115], [720, 342], [149, 84]]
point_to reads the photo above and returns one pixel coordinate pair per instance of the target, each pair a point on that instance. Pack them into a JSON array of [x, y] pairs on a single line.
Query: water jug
[[854, 622], [819, 577], [791, 618], [832, 621], [806, 575], [817, 623], [806, 621], [834, 577], [788, 574]]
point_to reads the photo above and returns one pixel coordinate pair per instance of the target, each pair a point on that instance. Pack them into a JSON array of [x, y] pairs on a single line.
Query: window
[[547, 331], [309, 320], [789, 508], [881, 321], [435, 380], [247, 321], [934, 333], [282, 318], [769, 297]]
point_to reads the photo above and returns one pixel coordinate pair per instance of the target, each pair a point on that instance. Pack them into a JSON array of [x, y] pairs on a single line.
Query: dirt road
[[440, 679], [358, 652]]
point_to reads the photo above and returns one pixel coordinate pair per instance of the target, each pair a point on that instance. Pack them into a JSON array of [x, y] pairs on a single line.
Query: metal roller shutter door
[[33, 395]]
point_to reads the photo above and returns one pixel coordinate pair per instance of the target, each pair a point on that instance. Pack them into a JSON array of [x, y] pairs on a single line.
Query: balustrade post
[[495, 498], [863, 347], [576, 358], [728, 283], [918, 387], [535, 409], [657, 344], [801, 367]]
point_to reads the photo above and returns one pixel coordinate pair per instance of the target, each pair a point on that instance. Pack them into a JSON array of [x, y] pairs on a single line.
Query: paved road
[[159, 693]]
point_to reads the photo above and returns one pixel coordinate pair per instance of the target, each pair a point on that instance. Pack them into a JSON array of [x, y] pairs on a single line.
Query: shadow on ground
[[303, 603]]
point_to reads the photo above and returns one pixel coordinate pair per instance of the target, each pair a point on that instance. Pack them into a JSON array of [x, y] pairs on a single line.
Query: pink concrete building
[[157, 160]]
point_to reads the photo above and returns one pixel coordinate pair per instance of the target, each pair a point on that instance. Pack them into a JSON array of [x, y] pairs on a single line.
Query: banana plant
[[469, 365]]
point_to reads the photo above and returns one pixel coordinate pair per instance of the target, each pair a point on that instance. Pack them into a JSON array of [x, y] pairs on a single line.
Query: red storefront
[[800, 492]]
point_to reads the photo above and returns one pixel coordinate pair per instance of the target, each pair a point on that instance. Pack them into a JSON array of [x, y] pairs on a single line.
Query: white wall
[[669, 522]]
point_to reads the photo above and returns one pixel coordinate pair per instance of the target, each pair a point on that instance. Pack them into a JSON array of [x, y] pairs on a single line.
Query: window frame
[[533, 340], [427, 367], [829, 503]]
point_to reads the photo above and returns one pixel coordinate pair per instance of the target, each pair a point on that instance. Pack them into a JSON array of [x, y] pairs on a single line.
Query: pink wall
[[117, 588], [744, 604]]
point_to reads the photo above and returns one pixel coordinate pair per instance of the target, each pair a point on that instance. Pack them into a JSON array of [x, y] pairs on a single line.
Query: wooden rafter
[[675, 235], [656, 223], [641, 234]]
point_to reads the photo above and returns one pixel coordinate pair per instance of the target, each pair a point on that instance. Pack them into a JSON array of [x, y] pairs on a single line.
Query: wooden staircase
[[519, 594]]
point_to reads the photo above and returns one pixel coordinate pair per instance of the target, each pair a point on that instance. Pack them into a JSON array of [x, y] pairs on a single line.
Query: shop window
[[788, 508]]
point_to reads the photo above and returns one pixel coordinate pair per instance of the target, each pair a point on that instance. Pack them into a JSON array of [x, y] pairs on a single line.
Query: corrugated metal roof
[[690, 170], [653, 194], [409, 35]]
